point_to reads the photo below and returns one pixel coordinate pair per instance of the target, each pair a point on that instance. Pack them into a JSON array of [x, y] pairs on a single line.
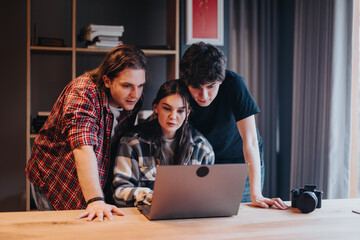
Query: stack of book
[[99, 36]]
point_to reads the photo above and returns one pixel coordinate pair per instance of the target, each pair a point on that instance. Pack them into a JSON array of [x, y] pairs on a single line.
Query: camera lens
[[307, 202]]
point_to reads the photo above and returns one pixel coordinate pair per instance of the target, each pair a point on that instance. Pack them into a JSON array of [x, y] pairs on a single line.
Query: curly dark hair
[[202, 63]]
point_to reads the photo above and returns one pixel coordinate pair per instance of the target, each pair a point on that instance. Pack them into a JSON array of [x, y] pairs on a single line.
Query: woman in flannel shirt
[[166, 139], [71, 164]]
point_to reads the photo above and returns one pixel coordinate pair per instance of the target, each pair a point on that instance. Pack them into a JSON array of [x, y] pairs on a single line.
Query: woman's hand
[[264, 202], [100, 210]]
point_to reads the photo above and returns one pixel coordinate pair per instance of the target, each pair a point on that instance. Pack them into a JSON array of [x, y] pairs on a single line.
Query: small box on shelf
[[39, 121], [51, 42]]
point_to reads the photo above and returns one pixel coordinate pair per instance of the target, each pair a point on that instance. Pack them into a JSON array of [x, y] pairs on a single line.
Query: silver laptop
[[196, 191]]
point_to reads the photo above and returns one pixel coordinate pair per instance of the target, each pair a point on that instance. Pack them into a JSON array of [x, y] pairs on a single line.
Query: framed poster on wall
[[205, 21]]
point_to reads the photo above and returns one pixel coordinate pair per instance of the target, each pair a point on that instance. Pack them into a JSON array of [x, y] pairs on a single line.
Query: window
[[355, 118]]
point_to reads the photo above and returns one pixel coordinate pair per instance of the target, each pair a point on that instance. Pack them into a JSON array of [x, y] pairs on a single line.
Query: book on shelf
[[108, 43], [92, 31], [105, 44], [106, 28], [107, 38], [96, 35]]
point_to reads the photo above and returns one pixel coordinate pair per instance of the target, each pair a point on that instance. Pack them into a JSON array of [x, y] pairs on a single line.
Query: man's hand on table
[[100, 210], [264, 202]]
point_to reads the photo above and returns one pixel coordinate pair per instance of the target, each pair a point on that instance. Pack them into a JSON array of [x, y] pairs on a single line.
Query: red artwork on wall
[[205, 19]]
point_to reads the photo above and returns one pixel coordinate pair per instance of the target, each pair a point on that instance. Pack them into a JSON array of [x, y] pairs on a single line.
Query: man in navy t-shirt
[[223, 111]]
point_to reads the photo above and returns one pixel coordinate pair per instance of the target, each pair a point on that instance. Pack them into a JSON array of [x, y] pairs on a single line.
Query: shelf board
[[33, 135], [149, 52], [42, 48], [153, 52]]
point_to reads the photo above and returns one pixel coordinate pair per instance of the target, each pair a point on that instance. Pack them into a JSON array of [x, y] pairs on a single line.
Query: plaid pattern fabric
[[135, 168], [80, 116]]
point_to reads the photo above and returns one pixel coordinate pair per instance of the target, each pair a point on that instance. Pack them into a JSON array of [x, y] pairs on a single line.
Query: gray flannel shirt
[[135, 169]]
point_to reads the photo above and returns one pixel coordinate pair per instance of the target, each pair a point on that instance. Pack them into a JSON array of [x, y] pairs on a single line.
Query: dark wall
[[13, 97], [13, 105], [285, 70]]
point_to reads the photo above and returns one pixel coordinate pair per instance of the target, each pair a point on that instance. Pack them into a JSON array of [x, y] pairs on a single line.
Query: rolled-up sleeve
[[126, 184]]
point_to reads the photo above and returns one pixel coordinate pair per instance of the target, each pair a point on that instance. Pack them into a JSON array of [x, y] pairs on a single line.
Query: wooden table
[[335, 220]]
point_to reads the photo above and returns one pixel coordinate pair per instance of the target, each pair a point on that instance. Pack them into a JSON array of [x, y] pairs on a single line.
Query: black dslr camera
[[306, 199]]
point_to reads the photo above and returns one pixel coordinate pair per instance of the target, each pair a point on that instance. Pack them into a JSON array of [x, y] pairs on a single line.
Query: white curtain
[[320, 87], [253, 54], [322, 95], [340, 117]]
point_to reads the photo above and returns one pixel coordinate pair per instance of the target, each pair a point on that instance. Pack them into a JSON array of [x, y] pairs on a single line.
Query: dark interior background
[[146, 32]]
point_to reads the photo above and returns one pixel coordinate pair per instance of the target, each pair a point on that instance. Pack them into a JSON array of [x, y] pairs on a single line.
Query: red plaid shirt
[[81, 116]]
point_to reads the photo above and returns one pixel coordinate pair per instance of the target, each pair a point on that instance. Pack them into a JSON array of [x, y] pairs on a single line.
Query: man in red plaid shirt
[[71, 165]]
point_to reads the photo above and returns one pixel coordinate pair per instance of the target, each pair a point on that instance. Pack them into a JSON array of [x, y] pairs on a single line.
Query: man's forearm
[[247, 130], [87, 171], [251, 157]]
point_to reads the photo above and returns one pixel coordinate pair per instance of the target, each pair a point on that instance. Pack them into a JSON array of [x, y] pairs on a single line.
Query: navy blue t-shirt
[[217, 122]]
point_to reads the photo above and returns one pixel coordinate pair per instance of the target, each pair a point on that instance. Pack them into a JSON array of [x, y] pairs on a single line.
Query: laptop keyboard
[[144, 208]]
